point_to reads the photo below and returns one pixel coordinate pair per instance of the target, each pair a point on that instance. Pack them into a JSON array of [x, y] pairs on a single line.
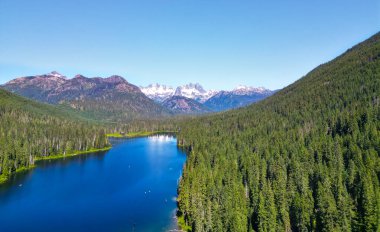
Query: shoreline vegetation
[[5, 177], [60, 156], [182, 224]]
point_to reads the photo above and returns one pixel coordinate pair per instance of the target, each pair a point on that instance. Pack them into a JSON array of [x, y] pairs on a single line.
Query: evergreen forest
[[305, 159]]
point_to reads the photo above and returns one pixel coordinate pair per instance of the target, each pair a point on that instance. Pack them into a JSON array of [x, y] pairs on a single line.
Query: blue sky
[[219, 44]]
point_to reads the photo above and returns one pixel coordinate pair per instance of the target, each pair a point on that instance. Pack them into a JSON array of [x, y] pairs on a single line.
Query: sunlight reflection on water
[[162, 138]]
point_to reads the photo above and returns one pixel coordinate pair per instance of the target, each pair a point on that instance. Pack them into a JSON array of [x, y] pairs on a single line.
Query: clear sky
[[219, 43]]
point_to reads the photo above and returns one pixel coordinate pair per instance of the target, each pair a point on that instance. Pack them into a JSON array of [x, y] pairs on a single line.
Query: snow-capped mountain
[[157, 92], [194, 91], [160, 93], [213, 100], [248, 90]]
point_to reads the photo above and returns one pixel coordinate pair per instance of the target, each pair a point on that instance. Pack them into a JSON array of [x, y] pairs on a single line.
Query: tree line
[[29, 130]]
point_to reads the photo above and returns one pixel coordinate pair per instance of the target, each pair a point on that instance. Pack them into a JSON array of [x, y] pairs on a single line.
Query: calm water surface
[[132, 187]]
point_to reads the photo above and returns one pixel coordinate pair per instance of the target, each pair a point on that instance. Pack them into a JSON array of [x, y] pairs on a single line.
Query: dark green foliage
[[29, 130], [305, 159]]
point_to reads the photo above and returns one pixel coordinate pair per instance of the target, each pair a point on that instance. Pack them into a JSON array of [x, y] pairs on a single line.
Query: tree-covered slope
[[12, 101], [30, 130], [305, 159]]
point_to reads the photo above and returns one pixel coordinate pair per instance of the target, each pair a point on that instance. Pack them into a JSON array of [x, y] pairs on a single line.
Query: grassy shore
[[137, 134], [75, 153], [182, 224], [4, 177]]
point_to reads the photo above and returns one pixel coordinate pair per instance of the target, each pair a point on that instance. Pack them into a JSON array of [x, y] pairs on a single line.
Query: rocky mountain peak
[[184, 105], [79, 76], [158, 92], [115, 79], [55, 74], [194, 91], [191, 87]]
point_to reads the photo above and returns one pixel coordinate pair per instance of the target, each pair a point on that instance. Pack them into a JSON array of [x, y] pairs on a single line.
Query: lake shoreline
[[131, 165], [5, 177], [182, 226]]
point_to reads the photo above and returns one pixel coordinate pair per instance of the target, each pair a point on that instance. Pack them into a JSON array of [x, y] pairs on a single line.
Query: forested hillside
[[30, 130], [305, 159]]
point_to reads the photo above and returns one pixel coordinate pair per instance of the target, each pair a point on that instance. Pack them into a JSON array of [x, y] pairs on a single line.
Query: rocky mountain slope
[[115, 99], [184, 105], [111, 98]]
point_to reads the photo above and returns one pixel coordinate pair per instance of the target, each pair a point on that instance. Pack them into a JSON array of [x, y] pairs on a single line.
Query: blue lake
[[132, 187]]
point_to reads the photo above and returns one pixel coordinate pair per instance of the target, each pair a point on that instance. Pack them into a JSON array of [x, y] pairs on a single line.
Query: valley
[[100, 152], [113, 99], [208, 100]]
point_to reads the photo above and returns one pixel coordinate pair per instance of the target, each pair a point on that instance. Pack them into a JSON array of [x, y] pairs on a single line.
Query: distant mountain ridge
[[238, 97], [112, 98], [115, 99], [160, 93], [211, 99]]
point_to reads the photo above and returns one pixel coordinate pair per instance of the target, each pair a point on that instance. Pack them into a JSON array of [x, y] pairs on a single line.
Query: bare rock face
[[111, 98], [184, 105]]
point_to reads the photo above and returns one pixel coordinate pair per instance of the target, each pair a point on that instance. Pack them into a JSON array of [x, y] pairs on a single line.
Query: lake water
[[132, 187]]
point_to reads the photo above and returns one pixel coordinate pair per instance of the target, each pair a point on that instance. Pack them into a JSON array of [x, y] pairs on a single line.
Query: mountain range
[[112, 98], [160, 93], [305, 159], [212, 100], [238, 97], [115, 99]]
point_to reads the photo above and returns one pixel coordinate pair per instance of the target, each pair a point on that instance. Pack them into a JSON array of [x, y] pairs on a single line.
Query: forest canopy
[[305, 159]]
